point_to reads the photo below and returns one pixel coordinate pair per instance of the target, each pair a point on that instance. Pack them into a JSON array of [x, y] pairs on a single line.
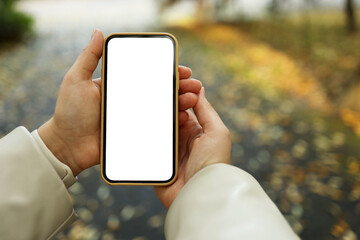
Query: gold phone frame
[[173, 179]]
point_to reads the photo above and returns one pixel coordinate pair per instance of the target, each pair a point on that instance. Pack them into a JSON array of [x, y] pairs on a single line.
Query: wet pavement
[[305, 158]]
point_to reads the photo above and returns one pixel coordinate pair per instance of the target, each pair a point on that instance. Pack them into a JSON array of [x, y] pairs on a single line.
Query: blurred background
[[283, 74]]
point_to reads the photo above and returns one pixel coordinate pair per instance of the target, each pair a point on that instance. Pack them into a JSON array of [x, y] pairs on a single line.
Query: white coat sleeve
[[224, 202], [34, 201]]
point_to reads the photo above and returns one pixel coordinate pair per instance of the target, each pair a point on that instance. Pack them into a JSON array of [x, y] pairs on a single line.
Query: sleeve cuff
[[34, 201], [62, 169], [224, 202]]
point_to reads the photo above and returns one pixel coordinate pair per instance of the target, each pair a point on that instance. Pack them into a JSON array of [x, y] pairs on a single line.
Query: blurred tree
[[13, 24], [206, 10], [275, 7], [350, 15]]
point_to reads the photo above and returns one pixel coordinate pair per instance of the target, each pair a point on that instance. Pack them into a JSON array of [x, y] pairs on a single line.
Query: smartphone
[[139, 127]]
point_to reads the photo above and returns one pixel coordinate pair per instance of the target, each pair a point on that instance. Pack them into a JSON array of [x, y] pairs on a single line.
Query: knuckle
[[85, 49], [88, 50], [87, 69], [94, 54]]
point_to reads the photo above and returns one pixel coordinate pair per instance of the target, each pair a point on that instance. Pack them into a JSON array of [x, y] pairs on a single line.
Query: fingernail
[[185, 67], [92, 35]]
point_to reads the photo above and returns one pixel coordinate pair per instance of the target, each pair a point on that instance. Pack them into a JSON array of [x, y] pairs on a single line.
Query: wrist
[[56, 144]]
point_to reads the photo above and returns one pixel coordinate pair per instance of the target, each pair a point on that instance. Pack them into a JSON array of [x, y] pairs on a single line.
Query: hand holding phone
[[203, 140], [73, 133]]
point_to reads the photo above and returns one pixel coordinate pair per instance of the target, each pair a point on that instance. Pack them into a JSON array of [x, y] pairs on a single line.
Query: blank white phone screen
[[139, 117]]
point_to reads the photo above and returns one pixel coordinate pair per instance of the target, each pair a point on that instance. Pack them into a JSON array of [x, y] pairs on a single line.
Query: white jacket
[[219, 202]]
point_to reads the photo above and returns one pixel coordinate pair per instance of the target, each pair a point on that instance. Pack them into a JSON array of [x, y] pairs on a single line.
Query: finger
[[87, 62], [189, 85], [192, 116], [187, 100], [206, 114], [97, 83], [184, 72], [183, 117]]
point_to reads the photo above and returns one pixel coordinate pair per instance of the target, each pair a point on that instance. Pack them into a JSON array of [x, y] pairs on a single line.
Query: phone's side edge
[[103, 112], [176, 89]]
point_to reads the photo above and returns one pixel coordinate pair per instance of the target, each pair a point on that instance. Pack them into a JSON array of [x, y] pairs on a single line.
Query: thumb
[[206, 114], [86, 63]]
